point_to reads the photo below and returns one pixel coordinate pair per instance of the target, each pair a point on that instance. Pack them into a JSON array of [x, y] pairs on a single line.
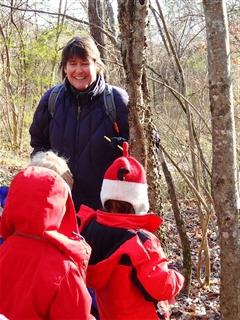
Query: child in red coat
[[127, 269], [43, 260]]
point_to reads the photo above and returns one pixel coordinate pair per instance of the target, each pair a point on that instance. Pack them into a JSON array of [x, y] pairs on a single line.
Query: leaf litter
[[202, 303]]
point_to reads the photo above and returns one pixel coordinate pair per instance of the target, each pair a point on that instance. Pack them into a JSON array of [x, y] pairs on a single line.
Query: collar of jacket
[[149, 222], [91, 93], [75, 248]]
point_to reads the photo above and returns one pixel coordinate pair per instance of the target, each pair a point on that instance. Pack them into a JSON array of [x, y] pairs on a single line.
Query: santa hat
[[125, 180]]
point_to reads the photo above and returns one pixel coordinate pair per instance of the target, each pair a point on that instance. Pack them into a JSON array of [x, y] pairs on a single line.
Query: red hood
[[99, 274], [36, 203], [39, 204]]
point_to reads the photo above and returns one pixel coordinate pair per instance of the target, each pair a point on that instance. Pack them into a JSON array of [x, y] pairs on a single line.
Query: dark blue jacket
[[77, 132]]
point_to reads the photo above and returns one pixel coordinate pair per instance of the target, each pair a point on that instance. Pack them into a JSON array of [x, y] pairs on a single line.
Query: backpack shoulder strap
[[53, 98], [110, 107]]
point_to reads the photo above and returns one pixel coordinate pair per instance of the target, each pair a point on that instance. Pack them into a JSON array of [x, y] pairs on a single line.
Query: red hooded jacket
[[127, 269], [42, 262]]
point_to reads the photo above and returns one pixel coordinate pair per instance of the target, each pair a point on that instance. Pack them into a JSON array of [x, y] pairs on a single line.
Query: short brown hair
[[83, 47]]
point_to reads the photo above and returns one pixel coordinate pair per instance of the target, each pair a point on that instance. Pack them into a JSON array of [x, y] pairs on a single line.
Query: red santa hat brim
[[131, 192]]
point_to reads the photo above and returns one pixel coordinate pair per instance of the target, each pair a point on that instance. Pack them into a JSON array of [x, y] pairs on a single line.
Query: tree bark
[[132, 18], [224, 166], [111, 19], [96, 19], [133, 21]]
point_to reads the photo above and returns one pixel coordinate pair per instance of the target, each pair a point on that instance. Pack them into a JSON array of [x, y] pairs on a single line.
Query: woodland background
[[158, 51]]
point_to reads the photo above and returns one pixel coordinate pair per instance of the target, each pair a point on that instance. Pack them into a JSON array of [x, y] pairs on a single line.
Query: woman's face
[[80, 73]]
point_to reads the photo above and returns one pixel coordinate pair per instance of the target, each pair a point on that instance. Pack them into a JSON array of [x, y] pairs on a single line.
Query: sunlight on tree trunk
[[133, 20], [224, 169], [96, 18]]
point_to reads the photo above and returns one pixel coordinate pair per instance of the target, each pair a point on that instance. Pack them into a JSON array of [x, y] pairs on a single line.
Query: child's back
[[127, 269]]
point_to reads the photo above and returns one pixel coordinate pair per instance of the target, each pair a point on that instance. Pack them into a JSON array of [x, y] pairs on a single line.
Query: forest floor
[[202, 303]]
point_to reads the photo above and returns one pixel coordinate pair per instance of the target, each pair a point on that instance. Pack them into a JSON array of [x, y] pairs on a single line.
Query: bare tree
[[181, 227], [15, 88], [59, 28], [224, 167], [133, 20], [96, 19]]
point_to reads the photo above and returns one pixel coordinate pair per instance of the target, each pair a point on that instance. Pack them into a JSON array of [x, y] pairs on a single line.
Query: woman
[[77, 129]]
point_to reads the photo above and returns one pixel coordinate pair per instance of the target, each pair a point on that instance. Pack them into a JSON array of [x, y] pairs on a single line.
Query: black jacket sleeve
[[39, 129]]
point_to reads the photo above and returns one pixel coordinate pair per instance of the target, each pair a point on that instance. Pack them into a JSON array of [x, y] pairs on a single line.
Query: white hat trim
[[132, 192]]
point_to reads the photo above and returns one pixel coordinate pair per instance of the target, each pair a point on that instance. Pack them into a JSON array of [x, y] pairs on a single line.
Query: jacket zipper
[[77, 133], [78, 109]]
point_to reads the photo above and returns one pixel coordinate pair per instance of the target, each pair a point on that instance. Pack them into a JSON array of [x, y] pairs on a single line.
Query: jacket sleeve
[[39, 129], [152, 272], [72, 300]]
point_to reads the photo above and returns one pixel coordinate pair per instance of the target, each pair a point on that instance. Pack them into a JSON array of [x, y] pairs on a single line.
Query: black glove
[[117, 141]]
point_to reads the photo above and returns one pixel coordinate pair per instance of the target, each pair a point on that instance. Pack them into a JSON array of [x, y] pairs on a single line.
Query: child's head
[[38, 200], [124, 187], [50, 160]]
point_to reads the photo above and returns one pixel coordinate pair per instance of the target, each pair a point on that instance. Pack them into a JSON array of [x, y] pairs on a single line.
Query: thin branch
[[181, 96], [186, 179], [111, 37]]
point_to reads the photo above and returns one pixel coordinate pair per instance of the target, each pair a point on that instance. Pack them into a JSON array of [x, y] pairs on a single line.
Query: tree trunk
[[132, 17], [111, 19], [96, 18], [224, 166], [133, 21]]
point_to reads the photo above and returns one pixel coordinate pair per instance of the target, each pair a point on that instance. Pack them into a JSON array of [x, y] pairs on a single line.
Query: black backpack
[[109, 103]]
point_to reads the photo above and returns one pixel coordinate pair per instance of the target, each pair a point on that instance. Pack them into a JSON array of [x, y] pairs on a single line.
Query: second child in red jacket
[[127, 269]]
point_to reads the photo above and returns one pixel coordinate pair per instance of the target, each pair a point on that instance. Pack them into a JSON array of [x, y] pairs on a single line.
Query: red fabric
[[149, 221], [135, 171], [42, 264], [118, 297]]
